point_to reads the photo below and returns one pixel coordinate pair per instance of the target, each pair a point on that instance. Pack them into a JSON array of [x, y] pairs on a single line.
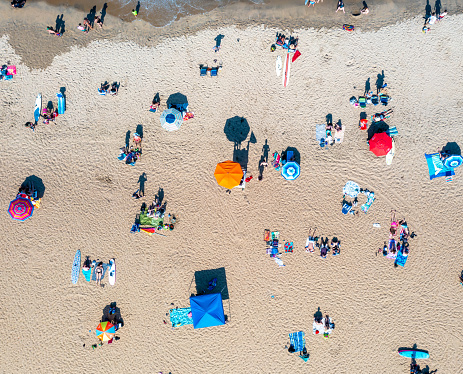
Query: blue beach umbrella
[[171, 119], [453, 161], [351, 189], [291, 170]]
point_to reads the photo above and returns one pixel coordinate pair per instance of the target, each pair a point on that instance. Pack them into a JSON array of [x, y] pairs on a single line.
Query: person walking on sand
[[340, 6]]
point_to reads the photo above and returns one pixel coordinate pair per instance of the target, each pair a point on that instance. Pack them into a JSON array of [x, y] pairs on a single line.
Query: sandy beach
[[87, 204]]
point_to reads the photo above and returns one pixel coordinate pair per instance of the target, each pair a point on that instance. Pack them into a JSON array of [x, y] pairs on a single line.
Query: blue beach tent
[[207, 310]]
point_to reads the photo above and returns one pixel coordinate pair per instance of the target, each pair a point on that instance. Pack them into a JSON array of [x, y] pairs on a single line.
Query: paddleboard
[[61, 103], [414, 353], [278, 66], [390, 154], [38, 107], [76, 267], [287, 69], [112, 272], [306, 1]]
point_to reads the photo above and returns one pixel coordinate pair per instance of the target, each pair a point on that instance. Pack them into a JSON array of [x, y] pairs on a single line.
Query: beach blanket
[[391, 255], [149, 221], [272, 251], [105, 267], [436, 168], [297, 340], [279, 262], [179, 317], [401, 259], [367, 205]]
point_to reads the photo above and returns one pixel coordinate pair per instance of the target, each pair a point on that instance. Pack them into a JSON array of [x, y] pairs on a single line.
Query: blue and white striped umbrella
[[171, 119], [453, 161], [291, 170]]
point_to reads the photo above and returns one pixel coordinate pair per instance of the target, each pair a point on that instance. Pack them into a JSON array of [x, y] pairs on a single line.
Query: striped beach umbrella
[[171, 119], [453, 161], [21, 208], [105, 331], [291, 170]]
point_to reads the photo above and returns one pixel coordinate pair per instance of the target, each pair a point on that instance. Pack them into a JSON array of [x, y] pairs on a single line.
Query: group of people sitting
[[432, 19], [156, 209], [333, 133], [18, 3], [324, 246], [49, 114], [88, 25], [131, 154], [398, 237], [288, 43], [322, 324], [106, 88]]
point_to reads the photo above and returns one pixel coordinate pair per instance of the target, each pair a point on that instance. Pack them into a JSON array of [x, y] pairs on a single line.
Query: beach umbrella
[[380, 144], [351, 189], [171, 119], [453, 161], [291, 170], [21, 208], [105, 331], [228, 174]]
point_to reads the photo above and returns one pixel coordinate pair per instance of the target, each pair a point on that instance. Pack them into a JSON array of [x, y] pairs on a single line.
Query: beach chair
[[362, 102], [384, 99], [375, 100], [214, 72], [203, 71], [346, 208]]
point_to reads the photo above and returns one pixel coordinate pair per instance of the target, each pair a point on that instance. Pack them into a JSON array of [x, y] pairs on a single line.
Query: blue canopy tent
[[207, 310]]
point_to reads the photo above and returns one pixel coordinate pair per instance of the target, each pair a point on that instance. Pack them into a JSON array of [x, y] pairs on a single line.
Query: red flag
[[296, 55]]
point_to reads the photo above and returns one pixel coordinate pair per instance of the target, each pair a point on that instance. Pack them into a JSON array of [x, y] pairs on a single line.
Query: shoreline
[[36, 16]]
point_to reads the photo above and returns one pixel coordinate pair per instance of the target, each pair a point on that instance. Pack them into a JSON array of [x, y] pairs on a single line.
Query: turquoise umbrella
[[453, 161], [291, 170]]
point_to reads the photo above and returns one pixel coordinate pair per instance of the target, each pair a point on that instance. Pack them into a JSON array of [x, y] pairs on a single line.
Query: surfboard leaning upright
[[287, 69]]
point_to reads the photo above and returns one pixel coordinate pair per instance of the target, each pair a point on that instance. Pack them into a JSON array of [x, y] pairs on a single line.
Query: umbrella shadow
[[203, 278], [236, 129], [296, 156], [376, 128], [452, 148], [113, 318], [177, 101], [36, 184]]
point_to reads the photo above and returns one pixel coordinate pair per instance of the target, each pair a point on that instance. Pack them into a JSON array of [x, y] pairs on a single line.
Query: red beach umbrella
[[380, 144]]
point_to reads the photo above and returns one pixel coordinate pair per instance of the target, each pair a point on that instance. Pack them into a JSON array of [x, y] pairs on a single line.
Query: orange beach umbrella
[[228, 174]]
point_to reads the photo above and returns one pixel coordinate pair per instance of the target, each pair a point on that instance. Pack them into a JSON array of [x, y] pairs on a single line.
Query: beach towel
[[346, 208], [296, 55], [320, 134], [392, 131], [179, 317], [266, 235], [105, 267], [289, 247], [272, 250], [401, 259], [279, 262], [367, 205], [436, 167], [362, 102], [339, 135], [346, 27], [297, 340], [275, 235], [318, 328], [11, 70], [87, 274]]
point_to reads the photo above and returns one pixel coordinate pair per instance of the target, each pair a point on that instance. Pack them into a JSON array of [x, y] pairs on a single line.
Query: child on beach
[[340, 6], [134, 12]]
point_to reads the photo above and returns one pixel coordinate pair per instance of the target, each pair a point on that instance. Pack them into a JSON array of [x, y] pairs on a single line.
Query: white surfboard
[[38, 107], [286, 69], [112, 272], [390, 154], [278, 66]]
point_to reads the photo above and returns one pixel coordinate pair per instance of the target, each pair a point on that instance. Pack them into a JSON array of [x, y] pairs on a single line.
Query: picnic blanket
[[370, 199], [149, 221], [339, 135], [179, 317], [105, 267], [401, 259], [297, 340]]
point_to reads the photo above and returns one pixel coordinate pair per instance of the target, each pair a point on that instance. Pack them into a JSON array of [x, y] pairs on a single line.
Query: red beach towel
[[296, 55]]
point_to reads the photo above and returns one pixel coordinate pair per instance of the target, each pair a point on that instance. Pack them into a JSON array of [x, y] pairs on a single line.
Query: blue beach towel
[[392, 131], [320, 134], [401, 259], [436, 168], [297, 339], [105, 267], [179, 317], [87, 274]]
